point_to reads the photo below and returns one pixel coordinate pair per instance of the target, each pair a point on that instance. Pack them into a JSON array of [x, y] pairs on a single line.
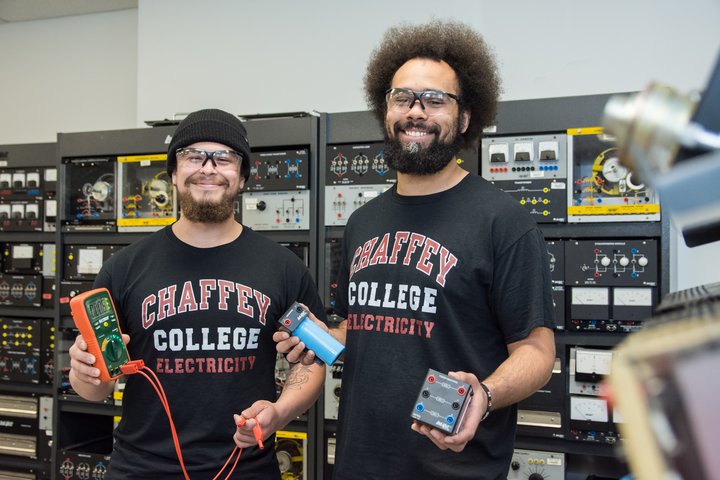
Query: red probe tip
[[258, 433]]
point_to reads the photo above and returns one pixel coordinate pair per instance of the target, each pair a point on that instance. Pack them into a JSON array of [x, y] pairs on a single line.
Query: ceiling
[[24, 10]]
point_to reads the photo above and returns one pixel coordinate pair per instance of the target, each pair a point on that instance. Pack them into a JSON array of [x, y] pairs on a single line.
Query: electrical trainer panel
[[26, 350], [26, 426], [574, 177], [541, 414], [602, 189], [89, 195], [354, 175], [146, 198], [23, 194], [277, 193], [532, 169], [591, 417], [536, 465], [27, 274], [612, 283], [556, 259]]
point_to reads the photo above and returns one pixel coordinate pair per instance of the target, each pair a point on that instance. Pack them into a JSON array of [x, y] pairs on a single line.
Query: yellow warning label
[[289, 434], [585, 131], [142, 158], [145, 222], [613, 209]]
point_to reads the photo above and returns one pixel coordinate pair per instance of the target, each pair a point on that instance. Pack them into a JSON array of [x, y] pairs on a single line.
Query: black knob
[[515, 465], [261, 205], [536, 476]]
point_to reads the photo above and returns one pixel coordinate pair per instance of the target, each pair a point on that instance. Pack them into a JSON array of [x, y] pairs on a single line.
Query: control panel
[[146, 196], [540, 415], [276, 210], [536, 465], [83, 262], [603, 189], [89, 194], [24, 192], [277, 193], [612, 283], [354, 175], [533, 169]]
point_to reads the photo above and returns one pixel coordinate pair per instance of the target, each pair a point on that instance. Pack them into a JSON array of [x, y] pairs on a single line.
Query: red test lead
[[257, 431]]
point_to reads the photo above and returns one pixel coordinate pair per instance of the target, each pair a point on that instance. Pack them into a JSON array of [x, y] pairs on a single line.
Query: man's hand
[[294, 350], [82, 361], [474, 413], [262, 413]]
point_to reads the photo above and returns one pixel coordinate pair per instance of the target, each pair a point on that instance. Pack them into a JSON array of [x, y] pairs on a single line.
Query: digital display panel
[[98, 307]]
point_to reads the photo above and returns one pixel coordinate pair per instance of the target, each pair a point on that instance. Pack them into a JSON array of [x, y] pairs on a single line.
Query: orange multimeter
[[95, 316]]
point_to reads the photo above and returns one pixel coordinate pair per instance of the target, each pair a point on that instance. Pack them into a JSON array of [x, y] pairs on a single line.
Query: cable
[[138, 366]]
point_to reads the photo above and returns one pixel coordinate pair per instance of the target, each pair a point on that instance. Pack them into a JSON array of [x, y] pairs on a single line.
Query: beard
[[412, 158], [203, 211]]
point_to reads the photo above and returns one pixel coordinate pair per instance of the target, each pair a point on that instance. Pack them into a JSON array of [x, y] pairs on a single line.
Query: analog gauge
[[588, 409], [634, 297], [590, 296], [593, 361]]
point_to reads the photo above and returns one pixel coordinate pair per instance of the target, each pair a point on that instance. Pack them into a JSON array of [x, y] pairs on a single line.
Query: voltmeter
[[95, 316]]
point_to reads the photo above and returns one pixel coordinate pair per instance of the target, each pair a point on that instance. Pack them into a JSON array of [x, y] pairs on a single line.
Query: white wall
[[118, 69], [67, 74], [288, 55]]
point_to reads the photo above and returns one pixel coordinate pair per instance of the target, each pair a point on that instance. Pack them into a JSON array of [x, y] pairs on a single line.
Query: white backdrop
[[285, 55], [66, 75]]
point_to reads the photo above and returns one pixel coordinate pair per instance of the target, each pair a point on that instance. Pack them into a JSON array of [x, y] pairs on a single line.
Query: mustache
[[414, 147], [223, 182], [434, 129]]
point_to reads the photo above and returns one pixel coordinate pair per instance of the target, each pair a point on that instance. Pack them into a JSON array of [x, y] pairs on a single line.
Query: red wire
[[228, 461], [139, 367], [163, 400]]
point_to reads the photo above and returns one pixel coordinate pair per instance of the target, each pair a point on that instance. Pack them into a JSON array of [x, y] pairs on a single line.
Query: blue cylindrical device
[[326, 348]]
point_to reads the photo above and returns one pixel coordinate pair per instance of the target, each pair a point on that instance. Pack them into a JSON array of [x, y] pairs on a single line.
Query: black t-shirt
[[442, 281], [202, 319]]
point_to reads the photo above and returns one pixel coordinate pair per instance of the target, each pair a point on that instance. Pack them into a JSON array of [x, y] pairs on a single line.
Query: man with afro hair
[[442, 271]]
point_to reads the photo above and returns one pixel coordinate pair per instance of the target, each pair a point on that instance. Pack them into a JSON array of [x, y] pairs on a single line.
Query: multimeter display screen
[[98, 307]]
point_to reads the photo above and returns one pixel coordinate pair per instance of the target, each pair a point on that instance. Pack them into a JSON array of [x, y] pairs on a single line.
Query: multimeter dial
[[113, 347]]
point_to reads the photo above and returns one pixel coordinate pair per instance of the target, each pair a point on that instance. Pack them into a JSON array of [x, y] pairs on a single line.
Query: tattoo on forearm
[[298, 376]]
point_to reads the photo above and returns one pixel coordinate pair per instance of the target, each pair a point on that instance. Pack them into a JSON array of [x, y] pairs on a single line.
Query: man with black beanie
[[199, 301]]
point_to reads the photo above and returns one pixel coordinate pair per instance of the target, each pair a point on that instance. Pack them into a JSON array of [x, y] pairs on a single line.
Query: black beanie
[[210, 125]]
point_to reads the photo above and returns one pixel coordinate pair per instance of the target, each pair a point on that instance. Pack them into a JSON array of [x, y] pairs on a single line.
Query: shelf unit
[[75, 420], [27, 160], [83, 426]]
